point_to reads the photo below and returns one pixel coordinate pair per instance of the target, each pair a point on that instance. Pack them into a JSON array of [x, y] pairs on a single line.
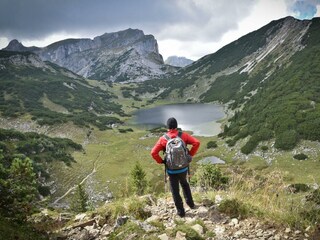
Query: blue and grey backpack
[[177, 154]]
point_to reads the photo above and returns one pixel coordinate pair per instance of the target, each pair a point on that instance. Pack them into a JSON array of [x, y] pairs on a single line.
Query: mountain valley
[[79, 95]]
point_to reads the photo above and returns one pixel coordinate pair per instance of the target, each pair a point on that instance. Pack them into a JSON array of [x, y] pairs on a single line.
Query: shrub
[[125, 130], [210, 176], [234, 208], [137, 208], [231, 142], [190, 233], [44, 190], [249, 146], [300, 156], [299, 187], [286, 140], [133, 206], [212, 144]]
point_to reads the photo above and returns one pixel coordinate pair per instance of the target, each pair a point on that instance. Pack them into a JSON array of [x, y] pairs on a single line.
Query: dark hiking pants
[[175, 180]]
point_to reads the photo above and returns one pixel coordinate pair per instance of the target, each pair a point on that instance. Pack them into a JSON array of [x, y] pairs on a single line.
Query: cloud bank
[[190, 28]]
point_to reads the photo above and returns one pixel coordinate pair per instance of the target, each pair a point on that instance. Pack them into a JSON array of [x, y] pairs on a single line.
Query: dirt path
[[94, 170]]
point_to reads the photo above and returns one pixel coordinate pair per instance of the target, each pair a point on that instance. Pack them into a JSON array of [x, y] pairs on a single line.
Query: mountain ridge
[[242, 74], [105, 57]]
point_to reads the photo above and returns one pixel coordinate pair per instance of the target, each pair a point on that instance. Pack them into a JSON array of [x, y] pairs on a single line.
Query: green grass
[[114, 155], [298, 171], [47, 103]]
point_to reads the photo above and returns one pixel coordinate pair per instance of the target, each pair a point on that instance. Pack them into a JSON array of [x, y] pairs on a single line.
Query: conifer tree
[[80, 200], [139, 181], [18, 189]]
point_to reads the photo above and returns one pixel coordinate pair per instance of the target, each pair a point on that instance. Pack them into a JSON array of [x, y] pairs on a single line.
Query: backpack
[[177, 154]]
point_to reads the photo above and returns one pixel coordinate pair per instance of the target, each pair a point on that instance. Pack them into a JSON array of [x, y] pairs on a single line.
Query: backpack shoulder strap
[[179, 134], [166, 137]]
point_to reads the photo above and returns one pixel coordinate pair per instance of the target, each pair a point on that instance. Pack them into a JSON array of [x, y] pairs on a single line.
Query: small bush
[[235, 208], [136, 207], [299, 187], [132, 206], [249, 146], [231, 142], [191, 234], [210, 176], [286, 140], [212, 144], [125, 130], [300, 156]]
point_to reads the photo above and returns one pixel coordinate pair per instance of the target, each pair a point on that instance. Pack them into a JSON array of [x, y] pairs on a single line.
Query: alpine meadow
[[75, 165]]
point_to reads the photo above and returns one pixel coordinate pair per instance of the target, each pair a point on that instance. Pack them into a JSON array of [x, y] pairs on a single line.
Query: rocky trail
[[203, 222]]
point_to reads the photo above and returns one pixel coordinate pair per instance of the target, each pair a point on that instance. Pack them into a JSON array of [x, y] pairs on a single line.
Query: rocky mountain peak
[[127, 55], [116, 39], [15, 45]]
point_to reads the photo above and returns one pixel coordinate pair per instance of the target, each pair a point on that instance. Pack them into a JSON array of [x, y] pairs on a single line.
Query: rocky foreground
[[204, 222]]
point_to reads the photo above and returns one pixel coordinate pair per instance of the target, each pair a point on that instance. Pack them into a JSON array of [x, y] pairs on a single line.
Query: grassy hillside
[[268, 78], [27, 87], [286, 106], [226, 57]]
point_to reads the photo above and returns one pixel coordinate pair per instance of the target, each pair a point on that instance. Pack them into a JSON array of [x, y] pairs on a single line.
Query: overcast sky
[[190, 28]]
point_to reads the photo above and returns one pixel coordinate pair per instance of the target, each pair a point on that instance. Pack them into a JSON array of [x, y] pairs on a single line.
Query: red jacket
[[161, 144]]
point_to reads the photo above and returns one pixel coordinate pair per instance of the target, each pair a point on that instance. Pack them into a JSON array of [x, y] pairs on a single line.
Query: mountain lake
[[201, 119]]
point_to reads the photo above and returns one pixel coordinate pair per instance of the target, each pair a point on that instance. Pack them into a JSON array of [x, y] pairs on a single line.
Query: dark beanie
[[172, 123]]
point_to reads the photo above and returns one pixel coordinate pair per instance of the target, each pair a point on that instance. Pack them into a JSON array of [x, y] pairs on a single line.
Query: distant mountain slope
[[178, 61], [127, 55], [51, 94], [270, 77]]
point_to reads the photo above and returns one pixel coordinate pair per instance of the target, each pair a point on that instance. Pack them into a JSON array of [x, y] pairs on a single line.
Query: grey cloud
[[209, 21], [39, 18], [178, 19]]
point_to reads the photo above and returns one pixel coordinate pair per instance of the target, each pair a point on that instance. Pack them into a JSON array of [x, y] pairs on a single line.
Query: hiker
[[177, 176]]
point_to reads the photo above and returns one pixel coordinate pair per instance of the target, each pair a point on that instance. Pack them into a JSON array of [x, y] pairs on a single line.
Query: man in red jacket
[[177, 177]]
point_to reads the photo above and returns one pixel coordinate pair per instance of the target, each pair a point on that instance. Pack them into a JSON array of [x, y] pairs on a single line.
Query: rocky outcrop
[[22, 59], [205, 221]]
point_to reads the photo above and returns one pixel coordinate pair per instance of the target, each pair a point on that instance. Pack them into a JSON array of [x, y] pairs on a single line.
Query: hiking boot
[[192, 206], [181, 213]]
